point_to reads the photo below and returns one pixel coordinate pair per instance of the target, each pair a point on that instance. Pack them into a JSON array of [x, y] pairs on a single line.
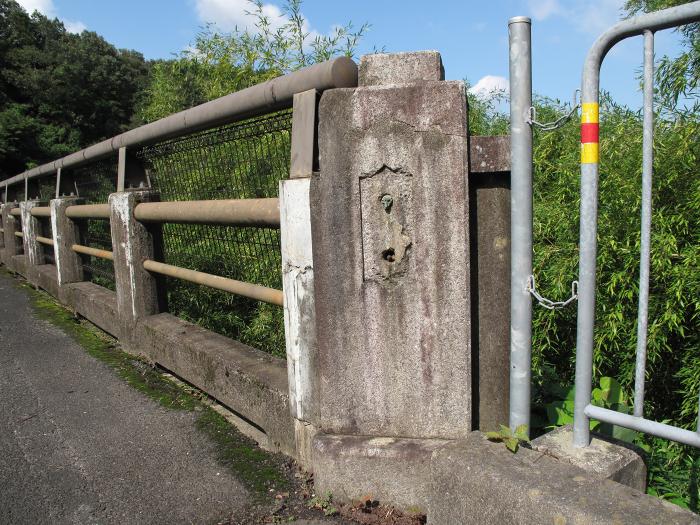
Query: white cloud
[[74, 27], [543, 9], [48, 9], [45, 7], [586, 16], [489, 85], [228, 15]]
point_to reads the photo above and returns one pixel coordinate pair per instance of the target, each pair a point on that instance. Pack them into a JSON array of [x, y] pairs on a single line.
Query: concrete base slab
[[475, 481], [246, 380], [304, 434], [19, 265], [604, 458], [44, 276], [392, 470], [96, 303]]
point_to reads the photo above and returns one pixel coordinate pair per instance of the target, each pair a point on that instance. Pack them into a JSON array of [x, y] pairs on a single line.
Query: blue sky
[[471, 35]]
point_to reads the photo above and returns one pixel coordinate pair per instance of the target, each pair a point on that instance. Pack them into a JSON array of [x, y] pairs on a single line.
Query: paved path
[[79, 445]]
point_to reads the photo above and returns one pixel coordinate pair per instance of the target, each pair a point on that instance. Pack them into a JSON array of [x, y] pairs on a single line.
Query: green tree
[[59, 91], [220, 63], [677, 77]]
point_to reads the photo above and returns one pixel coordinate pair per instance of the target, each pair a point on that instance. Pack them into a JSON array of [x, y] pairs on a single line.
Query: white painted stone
[[30, 229], [298, 286]]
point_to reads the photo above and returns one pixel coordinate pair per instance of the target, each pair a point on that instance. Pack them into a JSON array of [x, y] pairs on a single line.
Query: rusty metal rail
[[273, 95], [44, 240], [88, 211], [263, 213], [252, 291], [41, 211], [95, 252]]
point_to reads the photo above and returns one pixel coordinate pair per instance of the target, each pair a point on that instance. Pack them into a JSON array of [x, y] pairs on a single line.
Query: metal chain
[[548, 303], [551, 126]]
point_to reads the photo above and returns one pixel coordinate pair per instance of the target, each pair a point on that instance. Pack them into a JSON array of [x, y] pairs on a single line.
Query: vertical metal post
[[304, 148], [588, 247], [121, 170], [647, 172], [26, 189], [519, 31], [58, 183]]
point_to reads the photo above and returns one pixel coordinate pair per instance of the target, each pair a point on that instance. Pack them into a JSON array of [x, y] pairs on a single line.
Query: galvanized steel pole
[[589, 194], [644, 260], [519, 31]]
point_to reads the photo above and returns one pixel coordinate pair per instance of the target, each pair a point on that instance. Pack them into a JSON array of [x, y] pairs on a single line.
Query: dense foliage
[[38, 123], [59, 91]]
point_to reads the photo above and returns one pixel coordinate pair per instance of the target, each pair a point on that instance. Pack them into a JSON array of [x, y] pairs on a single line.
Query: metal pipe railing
[[16, 212], [645, 249], [269, 96], [19, 234], [519, 30], [88, 211], [242, 212], [687, 437], [40, 211], [590, 92], [95, 252], [44, 240], [252, 291]]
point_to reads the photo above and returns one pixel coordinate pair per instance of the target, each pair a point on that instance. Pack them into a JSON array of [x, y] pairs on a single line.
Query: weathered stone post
[[298, 277], [66, 233], [33, 251], [391, 253], [139, 293], [11, 243]]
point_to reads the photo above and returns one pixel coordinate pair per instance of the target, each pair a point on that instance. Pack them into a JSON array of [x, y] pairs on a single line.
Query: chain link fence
[[239, 161]]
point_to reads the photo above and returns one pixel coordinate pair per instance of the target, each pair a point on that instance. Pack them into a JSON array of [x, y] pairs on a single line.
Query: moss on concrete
[[258, 470]]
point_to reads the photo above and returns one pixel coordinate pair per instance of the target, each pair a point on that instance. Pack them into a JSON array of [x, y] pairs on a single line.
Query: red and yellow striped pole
[[589, 133]]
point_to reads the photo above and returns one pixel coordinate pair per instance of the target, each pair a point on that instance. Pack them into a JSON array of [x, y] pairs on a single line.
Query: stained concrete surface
[[79, 445]]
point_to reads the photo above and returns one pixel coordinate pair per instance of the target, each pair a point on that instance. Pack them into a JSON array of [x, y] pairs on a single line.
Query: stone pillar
[[66, 233], [391, 252], [13, 244], [31, 228], [139, 293], [298, 277]]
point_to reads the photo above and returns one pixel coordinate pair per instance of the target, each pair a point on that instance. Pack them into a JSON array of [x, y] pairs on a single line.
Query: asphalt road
[[79, 445]]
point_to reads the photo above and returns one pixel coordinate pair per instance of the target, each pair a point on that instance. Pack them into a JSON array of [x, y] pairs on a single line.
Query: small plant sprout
[[510, 439]]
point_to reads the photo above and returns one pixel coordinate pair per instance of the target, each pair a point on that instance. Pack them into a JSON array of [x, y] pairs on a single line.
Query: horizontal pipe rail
[[16, 212], [19, 234], [95, 252], [252, 291], [687, 437], [241, 212], [273, 95], [88, 211], [41, 211], [44, 240]]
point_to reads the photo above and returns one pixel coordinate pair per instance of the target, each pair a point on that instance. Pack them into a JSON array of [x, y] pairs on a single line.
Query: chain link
[[548, 303], [551, 126]]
